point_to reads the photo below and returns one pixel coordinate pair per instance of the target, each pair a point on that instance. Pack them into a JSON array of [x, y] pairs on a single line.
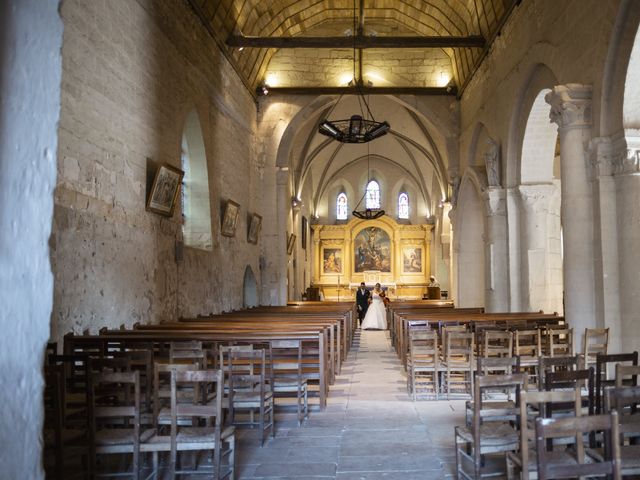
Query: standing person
[[362, 301], [433, 282], [376, 317]]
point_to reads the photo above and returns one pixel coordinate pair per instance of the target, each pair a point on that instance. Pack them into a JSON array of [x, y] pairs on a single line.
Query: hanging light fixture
[[359, 128]]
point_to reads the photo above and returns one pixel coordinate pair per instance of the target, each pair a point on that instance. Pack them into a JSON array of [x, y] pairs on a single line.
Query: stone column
[[571, 110], [496, 254], [283, 204], [541, 269], [513, 228], [606, 156]]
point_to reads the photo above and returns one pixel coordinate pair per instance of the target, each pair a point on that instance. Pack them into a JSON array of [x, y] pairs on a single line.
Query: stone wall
[[132, 71]]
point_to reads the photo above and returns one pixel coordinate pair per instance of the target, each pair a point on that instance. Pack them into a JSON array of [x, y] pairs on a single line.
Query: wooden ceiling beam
[[360, 41], [451, 90]]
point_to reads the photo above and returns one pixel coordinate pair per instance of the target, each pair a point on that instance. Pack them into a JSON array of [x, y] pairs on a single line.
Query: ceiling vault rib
[[359, 41]]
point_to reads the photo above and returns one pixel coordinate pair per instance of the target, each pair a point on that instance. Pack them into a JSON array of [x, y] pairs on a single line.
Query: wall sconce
[[296, 203], [262, 90]]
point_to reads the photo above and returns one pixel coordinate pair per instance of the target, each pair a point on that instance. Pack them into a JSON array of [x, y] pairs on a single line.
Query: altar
[[371, 251]]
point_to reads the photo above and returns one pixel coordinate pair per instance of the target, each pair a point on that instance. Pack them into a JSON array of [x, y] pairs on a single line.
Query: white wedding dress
[[376, 317]]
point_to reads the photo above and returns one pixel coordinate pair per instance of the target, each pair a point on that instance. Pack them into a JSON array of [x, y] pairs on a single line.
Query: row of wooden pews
[[288, 352]]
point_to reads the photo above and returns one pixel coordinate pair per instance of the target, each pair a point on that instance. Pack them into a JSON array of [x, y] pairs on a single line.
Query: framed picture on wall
[[291, 243], [165, 190], [254, 228], [230, 218], [332, 260], [305, 228], [411, 259]]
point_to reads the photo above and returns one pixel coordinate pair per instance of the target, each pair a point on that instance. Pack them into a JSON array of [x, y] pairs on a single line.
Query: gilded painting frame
[[230, 218], [255, 224], [165, 189], [413, 259], [332, 260]]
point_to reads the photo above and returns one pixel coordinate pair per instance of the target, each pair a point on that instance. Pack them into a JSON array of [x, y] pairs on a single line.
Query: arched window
[[196, 208], [342, 207], [403, 205], [372, 198]]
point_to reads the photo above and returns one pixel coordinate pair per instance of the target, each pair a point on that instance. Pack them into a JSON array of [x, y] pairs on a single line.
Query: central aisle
[[371, 428]]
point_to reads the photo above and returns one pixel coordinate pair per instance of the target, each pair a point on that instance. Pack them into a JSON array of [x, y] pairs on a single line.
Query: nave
[[371, 429]]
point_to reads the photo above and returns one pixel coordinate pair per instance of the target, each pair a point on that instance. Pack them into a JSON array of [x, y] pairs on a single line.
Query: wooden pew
[[160, 338]]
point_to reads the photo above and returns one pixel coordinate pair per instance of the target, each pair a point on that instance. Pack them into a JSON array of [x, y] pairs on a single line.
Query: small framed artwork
[[230, 218], [332, 260], [164, 190], [254, 228], [291, 243], [412, 260], [305, 229]]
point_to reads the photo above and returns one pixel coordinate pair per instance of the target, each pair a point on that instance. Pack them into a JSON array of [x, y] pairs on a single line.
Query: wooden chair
[[142, 361], [555, 364], [423, 364], [595, 342], [497, 343], [161, 415], [206, 431], [627, 375], [495, 366], [286, 374], [114, 423], [602, 378], [580, 463], [458, 359], [490, 431], [527, 346], [626, 401], [570, 379], [248, 390], [532, 404], [59, 441], [190, 352], [558, 341]]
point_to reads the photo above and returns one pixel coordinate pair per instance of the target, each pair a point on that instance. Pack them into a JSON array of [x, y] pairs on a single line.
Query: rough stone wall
[[132, 71], [30, 69]]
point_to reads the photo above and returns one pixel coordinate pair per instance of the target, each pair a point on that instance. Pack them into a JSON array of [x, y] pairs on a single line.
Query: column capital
[[536, 197], [494, 201], [570, 105]]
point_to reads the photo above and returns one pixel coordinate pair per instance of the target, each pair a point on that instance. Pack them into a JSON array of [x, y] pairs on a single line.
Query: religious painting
[[412, 260], [230, 218], [291, 243], [305, 228], [372, 250], [254, 228], [332, 260], [165, 190]]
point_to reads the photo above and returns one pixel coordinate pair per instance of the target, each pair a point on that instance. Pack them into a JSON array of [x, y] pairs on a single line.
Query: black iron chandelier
[[360, 128]]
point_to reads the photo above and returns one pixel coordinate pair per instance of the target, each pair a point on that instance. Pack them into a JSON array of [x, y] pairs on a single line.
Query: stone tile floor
[[371, 428]]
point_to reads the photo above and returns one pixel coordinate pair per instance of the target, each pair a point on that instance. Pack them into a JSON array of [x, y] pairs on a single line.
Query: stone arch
[[196, 198], [469, 234], [249, 289]]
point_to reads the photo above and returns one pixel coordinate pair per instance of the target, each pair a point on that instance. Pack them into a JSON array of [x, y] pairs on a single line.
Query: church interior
[[193, 192]]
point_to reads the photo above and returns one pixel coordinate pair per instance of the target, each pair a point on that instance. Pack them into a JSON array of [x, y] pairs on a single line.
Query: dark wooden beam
[[364, 90], [360, 41]]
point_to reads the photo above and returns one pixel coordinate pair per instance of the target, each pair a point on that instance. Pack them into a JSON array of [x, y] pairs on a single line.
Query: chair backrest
[[558, 341], [162, 385], [554, 364], [142, 361], [497, 343], [210, 383], [503, 365], [596, 341], [581, 379], [576, 427], [602, 378], [625, 401], [542, 403], [459, 343], [527, 343], [246, 370], [285, 359], [626, 375], [190, 352]]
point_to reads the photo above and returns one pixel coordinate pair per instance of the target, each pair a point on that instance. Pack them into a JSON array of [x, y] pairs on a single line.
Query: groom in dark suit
[[362, 301]]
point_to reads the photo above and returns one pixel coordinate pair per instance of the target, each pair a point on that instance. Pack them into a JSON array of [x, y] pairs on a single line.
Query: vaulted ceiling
[[310, 43]]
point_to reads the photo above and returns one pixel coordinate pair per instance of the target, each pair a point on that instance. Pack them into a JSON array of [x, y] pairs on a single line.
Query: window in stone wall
[[403, 205], [342, 207], [372, 198], [196, 206]]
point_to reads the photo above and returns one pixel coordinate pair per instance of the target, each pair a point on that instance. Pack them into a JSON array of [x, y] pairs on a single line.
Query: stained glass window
[[342, 207], [403, 205], [372, 198]]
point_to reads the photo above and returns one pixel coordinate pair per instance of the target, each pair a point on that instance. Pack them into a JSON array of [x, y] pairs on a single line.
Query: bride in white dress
[[376, 317]]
